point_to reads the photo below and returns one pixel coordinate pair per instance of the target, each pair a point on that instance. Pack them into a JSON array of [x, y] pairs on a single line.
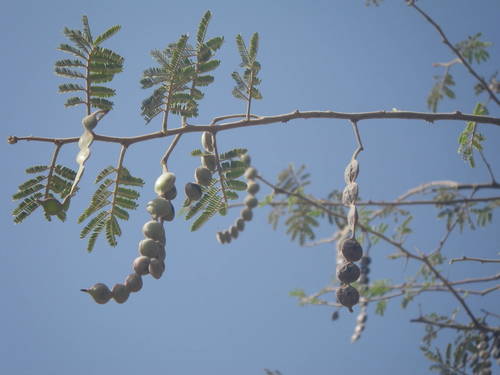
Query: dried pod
[[348, 273], [227, 236], [209, 162], [348, 296], [203, 176], [245, 158], [207, 141], [221, 238], [164, 183], [90, 122], [354, 337], [141, 265], [156, 268], [253, 188], [240, 224], [247, 214], [366, 260], [154, 230], [362, 318], [350, 194], [251, 201], [351, 171], [161, 208], [351, 250], [120, 293], [250, 173], [352, 216], [99, 292], [133, 282], [359, 328], [162, 254], [149, 248], [171, 194], [234, 232], [193, 191]]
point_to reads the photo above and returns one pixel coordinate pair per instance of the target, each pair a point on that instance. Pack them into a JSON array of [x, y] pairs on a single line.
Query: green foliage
[[474, 49], [470, 138], [245, 86], [442, 86], [93, 65], [57, 182], [181, 69], [110, 201]]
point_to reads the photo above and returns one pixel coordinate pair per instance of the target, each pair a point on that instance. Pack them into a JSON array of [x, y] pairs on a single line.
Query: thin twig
[[455, 51], [488, 166], [119, 166], [454, 326], [482, 260], [52, 167], [164, 159]]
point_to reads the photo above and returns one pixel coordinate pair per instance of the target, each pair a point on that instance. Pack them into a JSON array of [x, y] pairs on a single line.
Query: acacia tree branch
[[266, 120], [482, 260], [459, 327], [164, 159], [455, 51]]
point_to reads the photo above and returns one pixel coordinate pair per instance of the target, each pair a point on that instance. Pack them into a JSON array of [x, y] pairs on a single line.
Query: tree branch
[[464, 258]]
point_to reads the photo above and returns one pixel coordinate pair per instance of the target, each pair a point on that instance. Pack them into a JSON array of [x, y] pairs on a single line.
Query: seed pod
[[149, 248], [154, 230], [363, 279], [141, 265], [156, 268], [352, 216], [90, 122], [250, 173], [348, 296], [133, 282], [247, 214], [221, 238], [209, 162], [253, 188], [245, 158], [348, 273], [99, 292], [251, 201], [362, 318], [193, 191], [207, 141], [365, 270], [203, 176], [234, 232], [350, 194], [240, 224], [351, 171], [227, 236], [366, 260], [164, 183], [161, 208], [171, 194], [351, 250], [335, 315], [162, 253], [120, 293], [354, 337]]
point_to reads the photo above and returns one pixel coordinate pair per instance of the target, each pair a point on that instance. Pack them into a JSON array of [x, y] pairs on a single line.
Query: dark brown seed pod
[[351, 250], [209, 162], [348, 296], [253, 188], [251, 201], [193, 191], [348, 273], [234, 232], [240, 224], [171, 194], [141, 265], [366, 260], [250, 173], [203, 176], [133, 282], [120, 293], [351, 171], [247, 214]]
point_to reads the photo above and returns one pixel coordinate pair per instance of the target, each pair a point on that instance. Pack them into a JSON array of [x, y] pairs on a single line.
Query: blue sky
[[226, 309]]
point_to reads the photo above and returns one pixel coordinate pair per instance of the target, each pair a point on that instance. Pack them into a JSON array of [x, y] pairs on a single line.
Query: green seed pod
[[221, 238], [209, 162], [207, 141], [250, 173], [154, 230], [351, 250], [234, 232], [156, 268], [164, 183], [193, 191], [348, 296], [141, 265], [162, 253], [240, 224], [133, 282], [161, 208], [245, 158], [120, 293], [253, 188], [348, 273], [203, 176], [247, 214], [171, 194], [149, 248], [99, 292], [251, 201]]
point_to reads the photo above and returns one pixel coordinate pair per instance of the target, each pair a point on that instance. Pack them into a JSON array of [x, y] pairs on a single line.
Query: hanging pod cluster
[[363, 314], [480, 360], [250, 202], [151, 259]]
